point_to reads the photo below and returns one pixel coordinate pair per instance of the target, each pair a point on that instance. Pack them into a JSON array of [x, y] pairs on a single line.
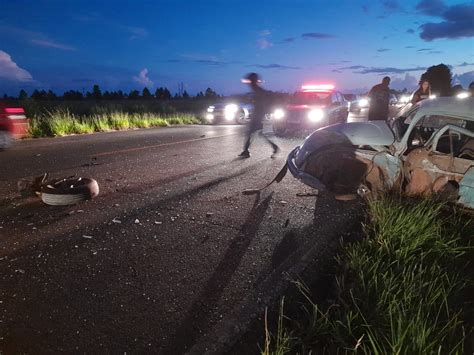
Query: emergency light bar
[[320, 87]]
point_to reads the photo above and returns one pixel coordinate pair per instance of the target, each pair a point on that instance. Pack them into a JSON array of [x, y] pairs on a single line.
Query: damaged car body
[[427, 148]]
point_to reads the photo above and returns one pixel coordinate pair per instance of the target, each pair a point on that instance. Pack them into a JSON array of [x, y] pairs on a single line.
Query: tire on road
[[5, 139], [69, 191]]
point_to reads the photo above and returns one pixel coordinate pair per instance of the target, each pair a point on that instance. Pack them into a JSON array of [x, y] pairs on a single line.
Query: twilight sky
[[73, 44]]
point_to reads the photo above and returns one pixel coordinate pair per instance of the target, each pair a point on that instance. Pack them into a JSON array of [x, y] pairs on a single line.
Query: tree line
[[161, 93]]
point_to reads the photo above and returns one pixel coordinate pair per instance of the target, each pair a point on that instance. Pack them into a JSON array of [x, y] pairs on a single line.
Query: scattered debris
[[87, 236], [306, 194], [158, 222], [137, 221], [283, 202], [117, 221], [209, 214], [287, 222]]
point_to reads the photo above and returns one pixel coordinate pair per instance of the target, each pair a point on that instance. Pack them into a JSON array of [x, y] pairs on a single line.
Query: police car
[[311, 107]]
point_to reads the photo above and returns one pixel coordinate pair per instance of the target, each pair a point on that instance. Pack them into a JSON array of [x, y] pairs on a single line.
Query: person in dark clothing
[[423, 92], [261, 102], [379, 97]]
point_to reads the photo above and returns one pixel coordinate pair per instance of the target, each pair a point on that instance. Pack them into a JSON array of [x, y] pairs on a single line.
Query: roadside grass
[[402, 289], [61, 122]]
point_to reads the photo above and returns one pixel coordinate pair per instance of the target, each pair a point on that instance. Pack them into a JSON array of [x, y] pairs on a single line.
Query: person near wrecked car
[[422, 93], [379, 97], [261, 102]]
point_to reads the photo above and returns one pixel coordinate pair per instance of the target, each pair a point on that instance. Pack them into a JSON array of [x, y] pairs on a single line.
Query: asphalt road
[[169, 256]]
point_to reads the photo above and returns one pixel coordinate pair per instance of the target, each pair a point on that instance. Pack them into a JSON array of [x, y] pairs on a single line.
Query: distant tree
[[134, 94], [162, 94], [39, 95], [73, 95], [50, 96], [200, 95], [23, 95], [146, 94], [185, 95], [440, 78], [96, 93], [210, 93]]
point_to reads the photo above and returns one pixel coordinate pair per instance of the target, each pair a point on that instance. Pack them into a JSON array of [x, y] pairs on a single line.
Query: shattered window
[[438, 121]]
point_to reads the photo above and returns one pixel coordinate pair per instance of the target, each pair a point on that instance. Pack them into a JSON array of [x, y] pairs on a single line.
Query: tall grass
[[401, 290], [60, 122]]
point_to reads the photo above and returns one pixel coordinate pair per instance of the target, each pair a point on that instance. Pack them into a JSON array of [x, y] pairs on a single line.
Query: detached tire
[[69, 191]]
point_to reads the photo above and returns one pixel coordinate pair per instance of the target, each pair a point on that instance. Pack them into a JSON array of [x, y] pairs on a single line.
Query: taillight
[[15, 113]]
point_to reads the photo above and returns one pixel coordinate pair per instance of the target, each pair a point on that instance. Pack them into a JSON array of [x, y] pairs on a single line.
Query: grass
[[401, 290], [61, 122]]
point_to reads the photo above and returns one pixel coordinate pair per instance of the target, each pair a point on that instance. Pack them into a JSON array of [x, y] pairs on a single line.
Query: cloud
[[275, 66], [264, 33], [464, 64], [388, 70], [135, 32], [287, 40], [409, 47], [201, 59], [431, 7], [263, 43], [457, 22], [316, 35], [411, 31], [408, 82], [9, 70], [391, 5], [383, 50], [336, 71], [143, 78], [465, 79], [353, 67], [52, 44], [365, 9], [424, 49], [36, 38]]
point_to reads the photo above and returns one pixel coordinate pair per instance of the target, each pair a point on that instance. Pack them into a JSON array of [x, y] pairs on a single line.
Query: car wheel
[[241, 118], [5, 140], [69, 191]]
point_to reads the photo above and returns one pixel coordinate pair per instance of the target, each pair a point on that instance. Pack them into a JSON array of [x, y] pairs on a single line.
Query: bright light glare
[[363, 102], [229, 116], [404, 99], [209, 116], [432, 97], [278, 114], [462, 95], [316, 115], [210, 109], [322, 87], [231, 108]]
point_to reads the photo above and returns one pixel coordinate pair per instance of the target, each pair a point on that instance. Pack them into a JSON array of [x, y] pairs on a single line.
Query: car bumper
[[301, 175]]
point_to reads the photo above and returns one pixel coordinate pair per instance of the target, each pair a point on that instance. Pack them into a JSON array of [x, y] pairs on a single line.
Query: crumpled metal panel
[[466, 189]]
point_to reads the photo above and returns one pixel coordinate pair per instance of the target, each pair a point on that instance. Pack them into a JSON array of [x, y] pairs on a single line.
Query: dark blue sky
[[68, 44]]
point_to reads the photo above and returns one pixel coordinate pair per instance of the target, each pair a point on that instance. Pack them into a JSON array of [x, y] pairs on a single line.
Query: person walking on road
[[261, 98], [423, 92], [379, 97]]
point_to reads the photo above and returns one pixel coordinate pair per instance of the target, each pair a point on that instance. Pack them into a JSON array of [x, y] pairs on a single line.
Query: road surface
[[168, 256]]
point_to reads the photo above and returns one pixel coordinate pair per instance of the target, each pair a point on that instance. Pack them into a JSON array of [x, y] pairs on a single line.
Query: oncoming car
[[13, 124], [312, 107], [428, 148], [227, 113], [357, 103]]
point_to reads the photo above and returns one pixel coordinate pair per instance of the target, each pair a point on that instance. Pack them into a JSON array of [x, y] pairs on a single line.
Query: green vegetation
[[402, 289], [60, 122]]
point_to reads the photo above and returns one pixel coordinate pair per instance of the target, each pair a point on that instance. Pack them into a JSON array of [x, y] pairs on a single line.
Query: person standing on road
[[261, 98], [423, 92], [379, 97]]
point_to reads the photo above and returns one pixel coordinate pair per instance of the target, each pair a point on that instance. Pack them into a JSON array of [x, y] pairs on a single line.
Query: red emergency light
[[316, 88], [14, 110]]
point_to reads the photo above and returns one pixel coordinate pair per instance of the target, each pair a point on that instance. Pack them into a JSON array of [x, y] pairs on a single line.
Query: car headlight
[[210, 109], [405, 99], [209, 117], [431, 97], [316, 115], [278, 114], [462, 95], [231, 108], [363, 102]]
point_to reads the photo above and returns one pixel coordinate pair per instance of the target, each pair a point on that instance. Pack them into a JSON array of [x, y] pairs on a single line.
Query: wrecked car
[[427, 148]]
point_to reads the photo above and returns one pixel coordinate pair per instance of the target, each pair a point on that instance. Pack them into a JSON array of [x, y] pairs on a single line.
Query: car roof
[[448, 105]]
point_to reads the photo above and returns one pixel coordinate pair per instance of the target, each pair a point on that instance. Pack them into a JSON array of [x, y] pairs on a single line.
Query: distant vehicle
[[232, 113], [356, 102], [312, 107], [393, 99], [427, 148], [13, 124]]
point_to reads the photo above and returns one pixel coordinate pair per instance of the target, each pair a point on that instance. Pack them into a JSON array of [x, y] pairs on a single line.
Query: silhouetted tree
[[134, 94], [185, 95], [210, 93], [162, 94], [440, 78], [146, 94], [23, 95], [73, 95], [96, 93]]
